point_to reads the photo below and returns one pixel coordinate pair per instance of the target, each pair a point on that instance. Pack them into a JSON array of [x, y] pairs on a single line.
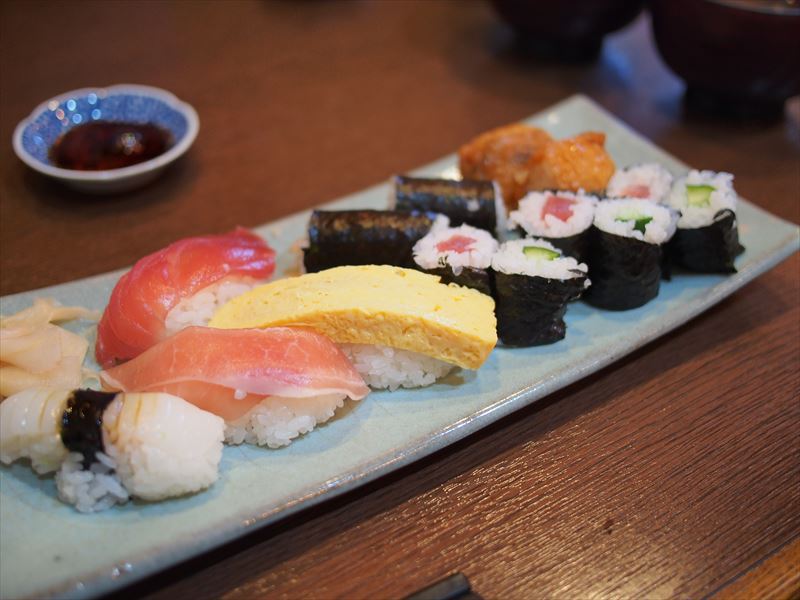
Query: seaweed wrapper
[[574, 245], [530, 310], [625, 272], [477, 279], [709, 249], [363, 237], [466, 201]]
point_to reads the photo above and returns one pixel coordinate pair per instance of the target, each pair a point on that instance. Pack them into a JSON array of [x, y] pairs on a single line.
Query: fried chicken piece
[[505, 155], [521, 158], [580, 162]]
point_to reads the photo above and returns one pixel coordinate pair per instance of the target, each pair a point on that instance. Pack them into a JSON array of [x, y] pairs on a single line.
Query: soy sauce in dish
[[102, 145]]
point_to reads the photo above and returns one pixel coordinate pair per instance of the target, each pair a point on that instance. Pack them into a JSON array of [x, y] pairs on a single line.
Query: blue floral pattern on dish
[[59, 117]]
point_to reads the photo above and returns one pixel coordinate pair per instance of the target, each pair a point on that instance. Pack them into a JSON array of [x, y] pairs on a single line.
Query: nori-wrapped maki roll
[[534, 283], [469, 201], [562, 218], [707, 238], [460, 255], [363, 237], [626, 251]]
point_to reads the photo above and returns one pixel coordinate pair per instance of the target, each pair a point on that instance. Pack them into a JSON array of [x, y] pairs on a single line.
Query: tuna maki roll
[[707, 239], [363, 237], [562, 218], [460, 255], [471, 201], [626, 251], [648, 181], [533, 284]]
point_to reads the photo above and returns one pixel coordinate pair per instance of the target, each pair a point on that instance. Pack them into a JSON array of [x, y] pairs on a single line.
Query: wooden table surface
[[674, 472]]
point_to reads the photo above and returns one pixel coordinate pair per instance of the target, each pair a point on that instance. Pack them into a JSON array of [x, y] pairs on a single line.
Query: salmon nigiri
[[270, 385], [176, 286]]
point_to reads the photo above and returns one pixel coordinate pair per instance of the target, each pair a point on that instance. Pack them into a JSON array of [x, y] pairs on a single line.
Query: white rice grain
[[383, 367]]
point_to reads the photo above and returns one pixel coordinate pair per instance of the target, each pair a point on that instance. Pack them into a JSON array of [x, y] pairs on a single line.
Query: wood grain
[[775, 578], [675, 472]]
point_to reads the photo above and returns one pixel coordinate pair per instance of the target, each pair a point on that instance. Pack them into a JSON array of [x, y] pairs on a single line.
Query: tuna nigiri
[[270, 385], [107, 447], [154, 298]]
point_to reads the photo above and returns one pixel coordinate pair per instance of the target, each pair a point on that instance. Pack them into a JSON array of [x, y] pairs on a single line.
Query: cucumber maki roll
[[707, 238], [648, 181], [625, 252], [562, 218], [363, 237], [471, 201], [533, 284], [460, 255]]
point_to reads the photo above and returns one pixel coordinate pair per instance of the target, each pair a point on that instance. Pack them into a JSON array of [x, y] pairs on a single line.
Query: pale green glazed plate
[[46, 548]]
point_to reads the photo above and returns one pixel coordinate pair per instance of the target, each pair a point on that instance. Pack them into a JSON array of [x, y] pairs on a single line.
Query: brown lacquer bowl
[[570, 29], [738, 57]]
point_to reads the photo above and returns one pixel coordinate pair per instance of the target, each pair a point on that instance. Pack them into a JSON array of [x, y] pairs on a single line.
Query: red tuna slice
[[559, 207], [636, 191], [457, 243], [134, 318], [228, 371]]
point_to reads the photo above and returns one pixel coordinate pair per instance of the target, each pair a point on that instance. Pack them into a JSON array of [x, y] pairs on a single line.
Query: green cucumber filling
[[639, 221], [539, 253], [699, 195]]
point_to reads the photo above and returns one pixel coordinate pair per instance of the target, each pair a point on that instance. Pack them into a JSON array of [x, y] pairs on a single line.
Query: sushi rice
[[384, 367], [511, 259], [200, 307], [477, 256], [276, 421], [529, 215], [722, 197], [613, 216], [648, 181]]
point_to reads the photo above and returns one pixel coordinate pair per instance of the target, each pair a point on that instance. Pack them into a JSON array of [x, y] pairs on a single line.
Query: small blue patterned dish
[[34, 135]]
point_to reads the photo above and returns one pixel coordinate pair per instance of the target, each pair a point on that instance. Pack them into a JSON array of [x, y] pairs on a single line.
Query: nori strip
[[478, 279], [625, 272], [363, 237], [467, 201], [530, 310], [572, 245], [82, 423], [709, 249], [575, 246]]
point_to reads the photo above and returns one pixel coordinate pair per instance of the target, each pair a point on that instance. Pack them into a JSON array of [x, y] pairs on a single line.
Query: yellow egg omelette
[[375, 304]]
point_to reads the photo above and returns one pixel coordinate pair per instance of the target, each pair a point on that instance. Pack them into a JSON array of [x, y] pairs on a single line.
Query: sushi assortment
[[197, 348]]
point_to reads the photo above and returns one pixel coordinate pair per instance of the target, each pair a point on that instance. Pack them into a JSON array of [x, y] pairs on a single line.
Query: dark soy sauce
[[102, 145]]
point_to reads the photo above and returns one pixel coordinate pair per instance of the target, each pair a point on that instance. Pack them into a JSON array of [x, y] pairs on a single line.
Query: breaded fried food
[[505, 155], [579, 162], [522, 158]]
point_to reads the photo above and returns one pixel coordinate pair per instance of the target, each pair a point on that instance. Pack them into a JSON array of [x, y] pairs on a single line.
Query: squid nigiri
[[107, 447], [178, 285], [270, 385]]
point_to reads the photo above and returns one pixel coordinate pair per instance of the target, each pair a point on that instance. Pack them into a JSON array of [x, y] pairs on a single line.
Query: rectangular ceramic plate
[[47, 548]]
